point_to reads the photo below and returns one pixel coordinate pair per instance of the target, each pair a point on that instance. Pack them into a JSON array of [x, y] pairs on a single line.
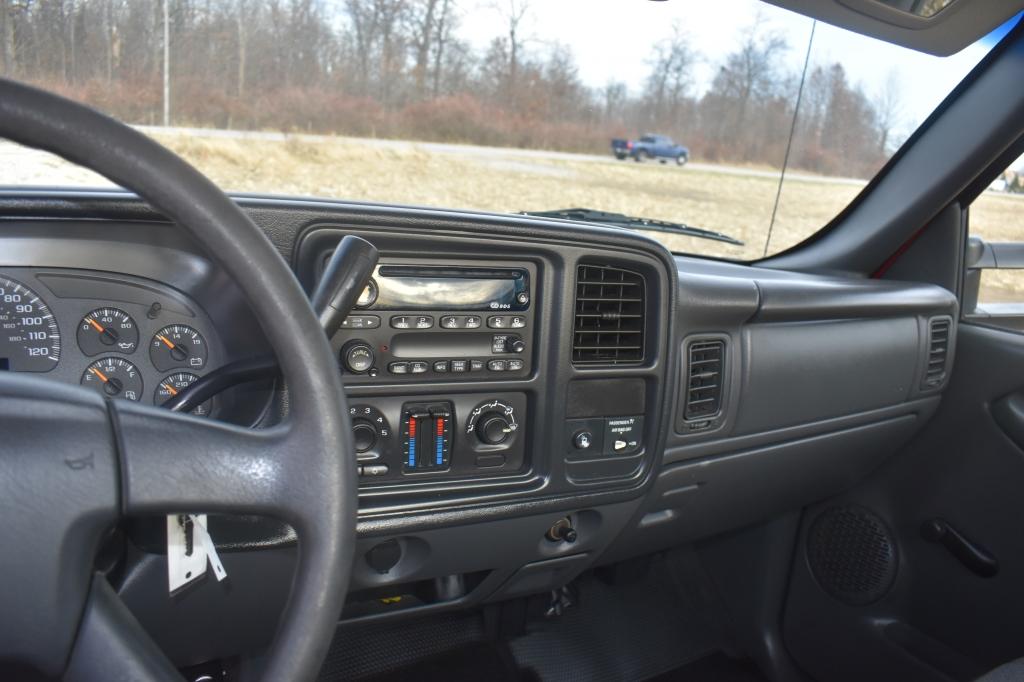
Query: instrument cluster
[[121, 336]]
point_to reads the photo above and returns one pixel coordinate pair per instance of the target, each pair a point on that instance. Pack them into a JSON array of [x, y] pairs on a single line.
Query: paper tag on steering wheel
[[189, 546], [211, 549], [186, 558]]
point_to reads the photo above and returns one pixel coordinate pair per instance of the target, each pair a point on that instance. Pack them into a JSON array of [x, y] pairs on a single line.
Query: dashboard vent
[[704, 378], [938, 351], [608, 328]]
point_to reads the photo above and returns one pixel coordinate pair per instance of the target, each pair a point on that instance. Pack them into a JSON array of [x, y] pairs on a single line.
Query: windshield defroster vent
[[938, 351], [704, 379], [608, 328]]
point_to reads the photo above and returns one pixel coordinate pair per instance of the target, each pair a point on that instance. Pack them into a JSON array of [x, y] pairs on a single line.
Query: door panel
[[938, 619]]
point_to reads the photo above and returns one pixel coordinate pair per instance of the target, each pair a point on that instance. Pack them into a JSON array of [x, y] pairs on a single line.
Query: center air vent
[[608, 328], [938, 351], [704, 378]]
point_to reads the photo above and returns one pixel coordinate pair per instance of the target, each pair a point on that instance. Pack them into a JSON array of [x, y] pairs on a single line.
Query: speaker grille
[[851, 554]]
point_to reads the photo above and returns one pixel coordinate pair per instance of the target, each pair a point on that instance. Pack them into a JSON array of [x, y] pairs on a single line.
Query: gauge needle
[[99, 374], [170, 389], [96, 325], [164, 339]]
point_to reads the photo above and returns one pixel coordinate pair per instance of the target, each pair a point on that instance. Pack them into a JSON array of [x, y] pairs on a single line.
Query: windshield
[[680, 112]]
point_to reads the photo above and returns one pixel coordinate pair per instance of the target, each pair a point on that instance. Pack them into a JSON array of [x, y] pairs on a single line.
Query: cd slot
[[448, 272]]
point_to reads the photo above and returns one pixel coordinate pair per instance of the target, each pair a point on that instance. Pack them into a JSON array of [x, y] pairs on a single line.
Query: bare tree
[[424, 33], [888, 104], [614, 96], [442, 36], [513, 12], [671, 77], [242, 40]]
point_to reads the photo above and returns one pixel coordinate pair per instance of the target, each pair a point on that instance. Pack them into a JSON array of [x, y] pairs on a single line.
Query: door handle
[[973, 556]]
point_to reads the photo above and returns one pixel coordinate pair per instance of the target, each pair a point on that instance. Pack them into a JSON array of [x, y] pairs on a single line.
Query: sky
[[612, 41]]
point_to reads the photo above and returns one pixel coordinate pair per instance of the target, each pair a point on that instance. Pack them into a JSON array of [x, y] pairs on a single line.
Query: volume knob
[[357, 356]]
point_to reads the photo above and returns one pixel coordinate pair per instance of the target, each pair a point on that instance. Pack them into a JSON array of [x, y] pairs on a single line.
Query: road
[[19, 166], [494, 154]]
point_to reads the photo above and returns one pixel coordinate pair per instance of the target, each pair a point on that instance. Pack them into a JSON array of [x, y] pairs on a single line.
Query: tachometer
[[29, 337]]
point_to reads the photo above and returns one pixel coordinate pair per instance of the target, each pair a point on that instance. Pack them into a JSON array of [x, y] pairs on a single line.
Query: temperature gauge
[[107, 330], [114, 378], [178, 345], [175, 384]]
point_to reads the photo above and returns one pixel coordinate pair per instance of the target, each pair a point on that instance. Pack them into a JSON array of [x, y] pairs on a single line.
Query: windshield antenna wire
[[792, 132]]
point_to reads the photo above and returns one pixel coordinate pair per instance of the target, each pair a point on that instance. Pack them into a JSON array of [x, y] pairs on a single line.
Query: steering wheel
[[72, 463]]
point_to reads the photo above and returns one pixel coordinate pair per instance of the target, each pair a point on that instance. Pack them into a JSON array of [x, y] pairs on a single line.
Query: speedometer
[[29, 338]]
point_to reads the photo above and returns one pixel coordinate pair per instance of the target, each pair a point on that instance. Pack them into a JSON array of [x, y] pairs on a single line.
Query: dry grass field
[[735, 201]]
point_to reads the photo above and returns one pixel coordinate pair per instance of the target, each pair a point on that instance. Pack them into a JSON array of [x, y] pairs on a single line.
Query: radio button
[[460, 365], [515, 365], [424, 322], [452, 322], [476, 365], [418, 367], [401, 322], [473, 322], [517, 322], [497, 365], [497, 322], [399, 368], [441, 366], [522, 298], [360, 322]]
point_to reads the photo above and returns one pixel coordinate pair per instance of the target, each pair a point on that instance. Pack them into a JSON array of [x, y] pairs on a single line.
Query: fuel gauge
[[114, 377]]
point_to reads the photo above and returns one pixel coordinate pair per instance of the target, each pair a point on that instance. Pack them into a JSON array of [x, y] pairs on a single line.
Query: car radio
[[439, 322]]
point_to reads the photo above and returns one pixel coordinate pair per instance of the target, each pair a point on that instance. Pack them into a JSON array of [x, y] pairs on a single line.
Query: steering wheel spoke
[[111, 644], [174, 463]]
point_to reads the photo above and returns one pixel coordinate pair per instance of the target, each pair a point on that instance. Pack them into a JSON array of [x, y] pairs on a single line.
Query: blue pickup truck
[[650, 147]]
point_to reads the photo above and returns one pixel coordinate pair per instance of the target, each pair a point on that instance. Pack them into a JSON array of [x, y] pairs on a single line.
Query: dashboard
[[528, 398]]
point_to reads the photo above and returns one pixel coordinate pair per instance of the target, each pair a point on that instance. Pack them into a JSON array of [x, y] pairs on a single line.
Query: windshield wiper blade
[[590, 215]]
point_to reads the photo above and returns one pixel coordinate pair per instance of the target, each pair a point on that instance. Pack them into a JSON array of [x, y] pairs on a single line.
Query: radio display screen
[[447, 288]]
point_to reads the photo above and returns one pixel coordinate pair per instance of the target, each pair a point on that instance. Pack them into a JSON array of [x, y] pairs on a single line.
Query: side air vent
[[938, 351], [704, 379], [608, 328]]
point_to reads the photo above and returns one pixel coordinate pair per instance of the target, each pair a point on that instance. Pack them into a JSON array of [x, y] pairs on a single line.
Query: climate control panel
[[426, 436], [452, 436]]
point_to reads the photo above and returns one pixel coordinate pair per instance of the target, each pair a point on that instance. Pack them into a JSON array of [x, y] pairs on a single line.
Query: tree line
[[405, 69]]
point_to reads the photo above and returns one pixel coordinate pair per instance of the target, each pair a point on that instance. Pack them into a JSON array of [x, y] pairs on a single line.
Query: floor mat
[[362, 650], [623, 631], [473, 663], [631, 631], [714, 668]]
